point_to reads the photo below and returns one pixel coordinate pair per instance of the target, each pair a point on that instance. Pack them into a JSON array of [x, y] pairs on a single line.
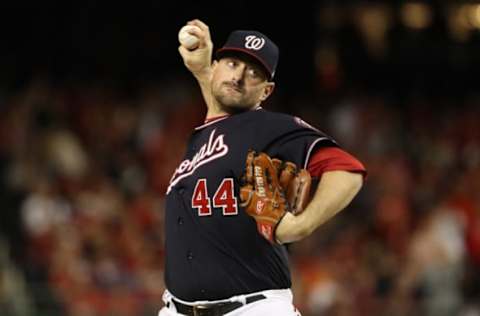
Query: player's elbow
[[353, 182], [356, 182], [343, 187]]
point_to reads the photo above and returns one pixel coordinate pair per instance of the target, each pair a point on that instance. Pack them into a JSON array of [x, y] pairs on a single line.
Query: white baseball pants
[[276, 303]]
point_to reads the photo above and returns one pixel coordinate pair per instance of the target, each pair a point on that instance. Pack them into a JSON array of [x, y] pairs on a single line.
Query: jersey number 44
[[224, 197]]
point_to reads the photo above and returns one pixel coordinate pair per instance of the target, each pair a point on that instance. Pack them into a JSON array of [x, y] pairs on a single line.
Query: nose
[[238, 75]]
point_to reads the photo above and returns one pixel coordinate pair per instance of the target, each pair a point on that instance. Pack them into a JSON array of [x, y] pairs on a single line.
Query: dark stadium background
[[395, 82]]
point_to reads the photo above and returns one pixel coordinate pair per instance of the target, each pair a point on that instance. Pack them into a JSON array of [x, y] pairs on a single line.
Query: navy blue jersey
[[213, 248]]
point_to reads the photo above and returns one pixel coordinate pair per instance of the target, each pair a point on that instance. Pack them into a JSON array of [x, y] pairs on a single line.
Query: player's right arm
[[199, 62]]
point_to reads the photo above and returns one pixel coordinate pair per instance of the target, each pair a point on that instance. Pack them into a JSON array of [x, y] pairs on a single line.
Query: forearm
[[199, 60], [204, 81], [335, 191]]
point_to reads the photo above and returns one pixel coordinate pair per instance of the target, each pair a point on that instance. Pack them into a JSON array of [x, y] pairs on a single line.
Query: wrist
[[284, 232], [292, 228], [203, 75]]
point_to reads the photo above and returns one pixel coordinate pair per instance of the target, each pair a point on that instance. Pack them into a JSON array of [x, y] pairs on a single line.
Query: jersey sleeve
[[333, 158]]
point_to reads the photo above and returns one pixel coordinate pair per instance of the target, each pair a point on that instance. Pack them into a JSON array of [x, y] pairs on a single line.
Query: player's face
[[239, 84]]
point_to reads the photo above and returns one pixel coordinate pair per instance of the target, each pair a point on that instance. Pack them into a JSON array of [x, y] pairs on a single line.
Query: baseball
[[188, 40]]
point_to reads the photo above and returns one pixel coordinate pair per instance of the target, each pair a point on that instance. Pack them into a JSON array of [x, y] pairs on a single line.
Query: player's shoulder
[[262, 116], [266, 114], [284, 120]]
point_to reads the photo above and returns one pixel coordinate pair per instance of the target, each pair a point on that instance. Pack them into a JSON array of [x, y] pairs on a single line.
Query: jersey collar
[[215, 119], [212, 120]]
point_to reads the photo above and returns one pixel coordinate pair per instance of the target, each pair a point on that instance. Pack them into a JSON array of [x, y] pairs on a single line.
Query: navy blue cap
[[254, 44]]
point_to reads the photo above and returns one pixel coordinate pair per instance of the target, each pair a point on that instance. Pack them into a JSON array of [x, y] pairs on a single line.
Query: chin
[[231, 104], [235, 108]]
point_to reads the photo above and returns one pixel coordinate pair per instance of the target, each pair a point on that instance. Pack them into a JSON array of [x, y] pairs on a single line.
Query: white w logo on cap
[[253, 42]]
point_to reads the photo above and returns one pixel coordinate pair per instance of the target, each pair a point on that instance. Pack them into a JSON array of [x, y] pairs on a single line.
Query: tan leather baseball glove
[[271, 188]]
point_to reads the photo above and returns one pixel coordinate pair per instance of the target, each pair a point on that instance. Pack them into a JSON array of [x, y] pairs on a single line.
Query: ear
[[267, 90]]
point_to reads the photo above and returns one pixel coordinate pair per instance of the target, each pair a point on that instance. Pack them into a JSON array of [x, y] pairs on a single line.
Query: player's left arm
[[341, 178], [335, 191]]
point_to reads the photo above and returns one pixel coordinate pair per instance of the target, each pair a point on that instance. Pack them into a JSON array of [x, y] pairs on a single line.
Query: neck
[[212, 113], [217, 109]]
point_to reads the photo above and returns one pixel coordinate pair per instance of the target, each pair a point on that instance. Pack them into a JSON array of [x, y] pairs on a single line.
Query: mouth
[[233, 88]]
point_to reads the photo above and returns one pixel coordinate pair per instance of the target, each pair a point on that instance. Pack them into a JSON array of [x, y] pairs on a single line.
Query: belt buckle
[[197, 309]]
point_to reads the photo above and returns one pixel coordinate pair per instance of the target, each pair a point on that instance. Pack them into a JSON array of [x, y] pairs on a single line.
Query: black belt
[[216, 309]]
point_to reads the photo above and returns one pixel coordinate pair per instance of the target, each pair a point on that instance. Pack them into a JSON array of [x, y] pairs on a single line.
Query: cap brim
[[222, 51]]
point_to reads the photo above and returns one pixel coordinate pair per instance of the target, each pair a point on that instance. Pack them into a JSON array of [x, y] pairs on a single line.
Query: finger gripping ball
[[187, 39]]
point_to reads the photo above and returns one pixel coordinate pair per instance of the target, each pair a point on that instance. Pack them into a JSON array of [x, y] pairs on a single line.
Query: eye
[[253, 73], [231, 64]]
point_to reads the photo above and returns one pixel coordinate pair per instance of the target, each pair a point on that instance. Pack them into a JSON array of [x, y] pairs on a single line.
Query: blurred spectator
[[15, 299]]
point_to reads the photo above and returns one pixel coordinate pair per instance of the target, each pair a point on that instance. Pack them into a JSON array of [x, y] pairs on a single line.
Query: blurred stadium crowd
[[84, 168]]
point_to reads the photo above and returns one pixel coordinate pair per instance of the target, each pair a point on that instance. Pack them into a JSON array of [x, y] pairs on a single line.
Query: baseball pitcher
[[242, 190]]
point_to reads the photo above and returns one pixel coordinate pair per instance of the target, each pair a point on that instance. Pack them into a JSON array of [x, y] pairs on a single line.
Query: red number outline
[[226, 202], [204, 201], [224, 198]]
